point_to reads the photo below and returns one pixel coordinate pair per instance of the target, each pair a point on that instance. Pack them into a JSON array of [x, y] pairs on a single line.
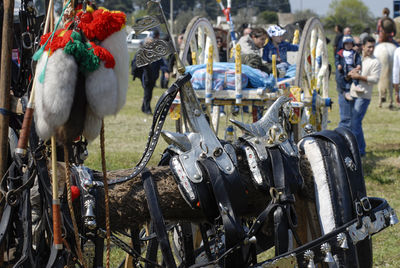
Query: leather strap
[[230, 196], [378, 204], [157, 218], [160, 114], [357, 190], [26, 258]]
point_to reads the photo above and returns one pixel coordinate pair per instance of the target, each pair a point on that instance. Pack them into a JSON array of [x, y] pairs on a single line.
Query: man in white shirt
[[369, 76]]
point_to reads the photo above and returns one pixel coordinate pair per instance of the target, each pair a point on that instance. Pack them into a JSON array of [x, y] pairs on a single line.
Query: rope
[[104, 169], [71, 208]]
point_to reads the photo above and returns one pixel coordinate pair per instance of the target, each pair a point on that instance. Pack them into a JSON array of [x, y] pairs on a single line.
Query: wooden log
[[128, 203]]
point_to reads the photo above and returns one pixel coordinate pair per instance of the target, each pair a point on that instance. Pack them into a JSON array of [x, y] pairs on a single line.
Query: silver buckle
[[366, 205]]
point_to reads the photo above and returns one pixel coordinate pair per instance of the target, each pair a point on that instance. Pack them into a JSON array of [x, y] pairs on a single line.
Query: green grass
[[126, 134]]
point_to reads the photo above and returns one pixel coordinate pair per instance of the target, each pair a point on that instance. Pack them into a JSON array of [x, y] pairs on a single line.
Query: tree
[[122, 5], [268, 17], [352, 13], [304, 14]]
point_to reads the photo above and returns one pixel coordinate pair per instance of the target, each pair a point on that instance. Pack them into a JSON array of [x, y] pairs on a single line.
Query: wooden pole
[[5, 84], [5, 81]]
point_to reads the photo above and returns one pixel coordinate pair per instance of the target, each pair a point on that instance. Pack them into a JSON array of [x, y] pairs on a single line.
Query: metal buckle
[[359, 208], [366, 205]]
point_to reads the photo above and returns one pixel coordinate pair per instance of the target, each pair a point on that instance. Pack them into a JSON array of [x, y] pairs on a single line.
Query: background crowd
[[357, 69]]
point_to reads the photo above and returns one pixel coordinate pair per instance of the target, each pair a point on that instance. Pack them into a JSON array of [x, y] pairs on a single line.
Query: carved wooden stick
[[26, 124]]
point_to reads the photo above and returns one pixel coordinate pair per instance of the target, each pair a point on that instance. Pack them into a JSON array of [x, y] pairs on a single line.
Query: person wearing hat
[[346, 60], [277, 46]]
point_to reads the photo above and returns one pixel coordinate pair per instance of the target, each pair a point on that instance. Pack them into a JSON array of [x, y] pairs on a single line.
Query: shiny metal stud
[[342, 241], [309, 129], [253, 240], [326, 249], [309, 256], [393, 217], [350, 164]]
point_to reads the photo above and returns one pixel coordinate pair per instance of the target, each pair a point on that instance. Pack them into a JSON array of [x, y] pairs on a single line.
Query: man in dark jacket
[[149, 75]]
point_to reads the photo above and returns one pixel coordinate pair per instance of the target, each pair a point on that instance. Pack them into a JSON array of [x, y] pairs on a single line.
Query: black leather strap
[[230, 196], [26, 258], [378, 204], [157, 218], [160, 114], [281, 228], [354, 175]]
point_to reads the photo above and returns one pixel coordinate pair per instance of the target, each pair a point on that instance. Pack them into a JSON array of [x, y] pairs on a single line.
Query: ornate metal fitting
[[231, 152], [89, 217], [153, 51], [309, 257], [201, 140], [308, 128], [378, 224], [358, 234], [89, 202], [350, 164], [145, 23], [252, 162], [393, 217], [326, 249], [269, 130], [342, 241], [178, 168]]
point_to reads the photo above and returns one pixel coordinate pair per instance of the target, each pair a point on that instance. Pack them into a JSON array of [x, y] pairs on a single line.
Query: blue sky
[[321, 7]]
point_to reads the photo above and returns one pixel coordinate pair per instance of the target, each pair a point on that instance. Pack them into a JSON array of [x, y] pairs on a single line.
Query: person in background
[[357, 45], [246, 31], [276, 46], [369, 76], [149, 77], [366, 32], [345, 60], [338, 38], [346, 31], [385, 14], [221, 50], [251, 49]]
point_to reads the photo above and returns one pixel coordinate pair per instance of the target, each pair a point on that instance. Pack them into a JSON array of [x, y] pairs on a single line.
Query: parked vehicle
[[135, 40]]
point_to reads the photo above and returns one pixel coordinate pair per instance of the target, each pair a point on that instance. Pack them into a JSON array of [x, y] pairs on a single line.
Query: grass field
[[127, 132]]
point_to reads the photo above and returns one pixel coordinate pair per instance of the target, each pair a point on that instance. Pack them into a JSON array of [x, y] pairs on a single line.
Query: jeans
[[345, 111], [360, 107]]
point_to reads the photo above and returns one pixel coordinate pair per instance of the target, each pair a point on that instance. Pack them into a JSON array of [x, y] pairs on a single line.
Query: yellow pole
[[209, 74], [194, 58], [296, 37], [274, 72], [238, 74]]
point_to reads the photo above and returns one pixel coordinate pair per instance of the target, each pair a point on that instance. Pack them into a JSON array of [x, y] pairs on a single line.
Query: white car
[[135, 40]]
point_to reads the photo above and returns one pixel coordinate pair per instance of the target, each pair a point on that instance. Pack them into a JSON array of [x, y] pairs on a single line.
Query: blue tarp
[[255, 77]]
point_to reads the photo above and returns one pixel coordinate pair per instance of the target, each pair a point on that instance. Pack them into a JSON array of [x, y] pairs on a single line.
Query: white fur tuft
[[323, 196], [59, 88], [43, 130], [101, 91], [116, 45], [92, 125]]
